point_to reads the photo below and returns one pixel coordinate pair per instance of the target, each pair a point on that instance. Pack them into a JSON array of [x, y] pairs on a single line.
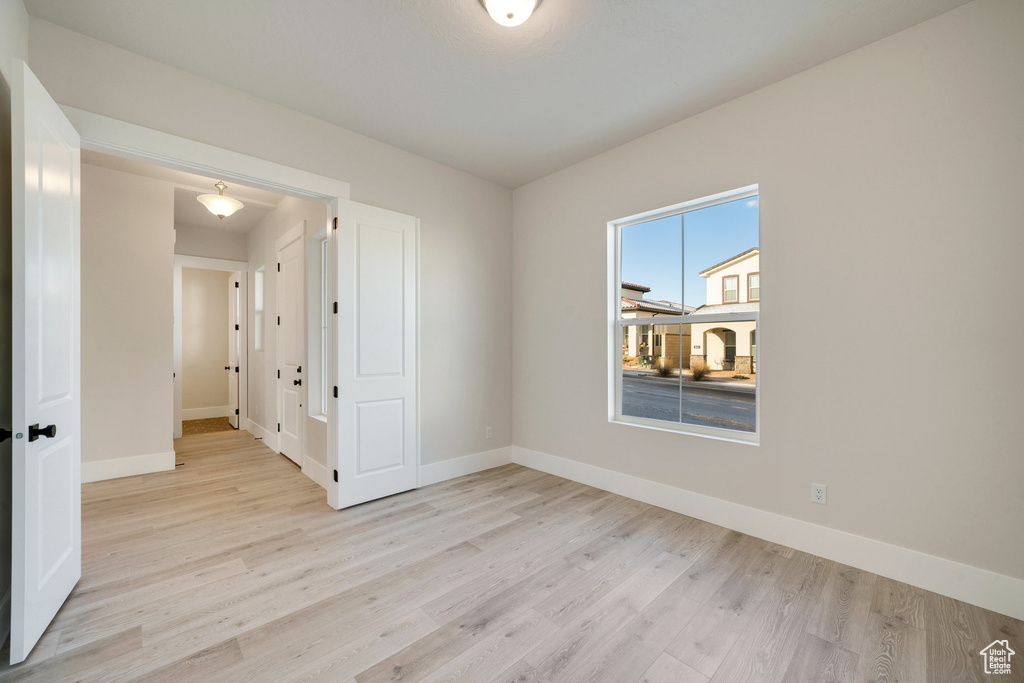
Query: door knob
[[5, 434], [227, 367], [34, 432], [298, 382]]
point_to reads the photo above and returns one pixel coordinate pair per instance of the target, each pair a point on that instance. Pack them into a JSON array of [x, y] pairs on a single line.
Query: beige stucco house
[[733, 286], [652, 342]]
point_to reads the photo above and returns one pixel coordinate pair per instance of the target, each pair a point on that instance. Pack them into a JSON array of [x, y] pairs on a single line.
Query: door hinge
[[236, 326], [279, 374], [278, 426], [335, 392], [335, 308], [236, 411], [335, 222], [279, 267], [236, 285], [278, 320], [335, 475]]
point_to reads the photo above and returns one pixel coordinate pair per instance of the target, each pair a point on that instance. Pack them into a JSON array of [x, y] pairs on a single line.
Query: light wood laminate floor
[[233, 568]]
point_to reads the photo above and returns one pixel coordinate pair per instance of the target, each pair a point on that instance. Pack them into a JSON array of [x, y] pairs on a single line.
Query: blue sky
[[653, 252]]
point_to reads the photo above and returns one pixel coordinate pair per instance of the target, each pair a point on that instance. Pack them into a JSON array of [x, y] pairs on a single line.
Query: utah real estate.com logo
[[997, 657]]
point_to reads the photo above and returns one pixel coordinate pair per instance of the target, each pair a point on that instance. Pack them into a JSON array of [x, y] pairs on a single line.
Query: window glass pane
[[326, 311], [258, 309], [652, 269], [650, 378], [696, 263], [720, 246], [720, 388]]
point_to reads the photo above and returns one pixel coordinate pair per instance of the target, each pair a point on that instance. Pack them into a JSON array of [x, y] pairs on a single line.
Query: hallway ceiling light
[[510, 12], [219, 205]]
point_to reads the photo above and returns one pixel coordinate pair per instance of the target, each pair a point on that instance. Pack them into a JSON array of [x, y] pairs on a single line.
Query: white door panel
[[376, 439], [46, 547], [290, 346]]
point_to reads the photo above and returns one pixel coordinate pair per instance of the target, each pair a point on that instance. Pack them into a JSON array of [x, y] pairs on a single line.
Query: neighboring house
[[651, 342], [734, 286]]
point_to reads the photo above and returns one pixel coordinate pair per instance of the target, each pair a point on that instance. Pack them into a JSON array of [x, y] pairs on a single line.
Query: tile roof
[[639, 288], [654, 306]]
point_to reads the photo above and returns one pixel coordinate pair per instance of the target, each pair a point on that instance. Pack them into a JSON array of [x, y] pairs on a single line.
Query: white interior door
[[290, 347], [234, 344], [46, 513], [376, 441]]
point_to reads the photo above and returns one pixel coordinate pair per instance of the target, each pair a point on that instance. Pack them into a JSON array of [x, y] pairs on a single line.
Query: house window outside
[[731, 289], [678, 317], [730, 349], [258, 292]]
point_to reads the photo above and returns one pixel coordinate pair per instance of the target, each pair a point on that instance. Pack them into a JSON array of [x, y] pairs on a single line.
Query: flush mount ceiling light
[[219, 205], [510, 12]]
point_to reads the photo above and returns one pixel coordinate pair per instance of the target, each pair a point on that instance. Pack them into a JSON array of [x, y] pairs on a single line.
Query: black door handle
[[5, 434], [227, 367], [34, 432], [298, 382]]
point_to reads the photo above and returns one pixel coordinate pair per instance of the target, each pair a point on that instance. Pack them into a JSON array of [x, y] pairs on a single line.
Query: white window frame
[[616, 323]]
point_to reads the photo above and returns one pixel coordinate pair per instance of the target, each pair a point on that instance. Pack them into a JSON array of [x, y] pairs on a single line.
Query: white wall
[[906, 159], [127, 289], [221, 244], [262, 371], [204, 338], [465, 222]]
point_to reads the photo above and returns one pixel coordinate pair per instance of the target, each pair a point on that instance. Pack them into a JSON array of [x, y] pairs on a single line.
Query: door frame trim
[[100, 133], [220, 265]]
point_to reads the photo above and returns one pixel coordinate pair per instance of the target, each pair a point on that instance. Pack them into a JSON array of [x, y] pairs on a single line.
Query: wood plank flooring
[[233, 568]]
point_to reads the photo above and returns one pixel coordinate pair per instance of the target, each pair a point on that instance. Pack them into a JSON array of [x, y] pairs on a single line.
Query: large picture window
[[685, 301]]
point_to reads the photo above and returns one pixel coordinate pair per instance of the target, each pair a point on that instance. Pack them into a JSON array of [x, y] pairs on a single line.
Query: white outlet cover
[[819, 494]]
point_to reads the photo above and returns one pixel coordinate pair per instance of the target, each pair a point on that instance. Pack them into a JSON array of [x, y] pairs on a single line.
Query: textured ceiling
[[440, 79]]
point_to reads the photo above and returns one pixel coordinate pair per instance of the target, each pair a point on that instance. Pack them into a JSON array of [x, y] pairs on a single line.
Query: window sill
[[733, 436], [319, 418]]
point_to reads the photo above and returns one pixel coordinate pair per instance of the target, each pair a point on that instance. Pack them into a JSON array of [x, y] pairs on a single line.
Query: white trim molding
[[315, 471], [260, 432], [435, 472], [115, 468], [996, 592], [205, 413]]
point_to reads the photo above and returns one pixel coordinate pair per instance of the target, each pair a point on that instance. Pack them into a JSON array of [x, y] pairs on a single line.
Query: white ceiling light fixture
[[510, 12], [219, 205]]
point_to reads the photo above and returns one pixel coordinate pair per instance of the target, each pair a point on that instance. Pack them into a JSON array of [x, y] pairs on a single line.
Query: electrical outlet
[[818, 494], [487, 433]]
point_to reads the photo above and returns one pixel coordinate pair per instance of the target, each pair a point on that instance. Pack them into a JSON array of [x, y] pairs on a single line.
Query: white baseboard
[[206, 413], [996, 592], [115, 468], [315, 471], [268, 437], [467, 464]]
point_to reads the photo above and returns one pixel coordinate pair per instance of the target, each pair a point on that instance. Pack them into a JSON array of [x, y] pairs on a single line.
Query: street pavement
[[729, 406]]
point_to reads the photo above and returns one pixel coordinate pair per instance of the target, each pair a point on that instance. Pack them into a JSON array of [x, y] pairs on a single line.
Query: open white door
[[376, 440], [234, 344], [290, 341], [46, 548]]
